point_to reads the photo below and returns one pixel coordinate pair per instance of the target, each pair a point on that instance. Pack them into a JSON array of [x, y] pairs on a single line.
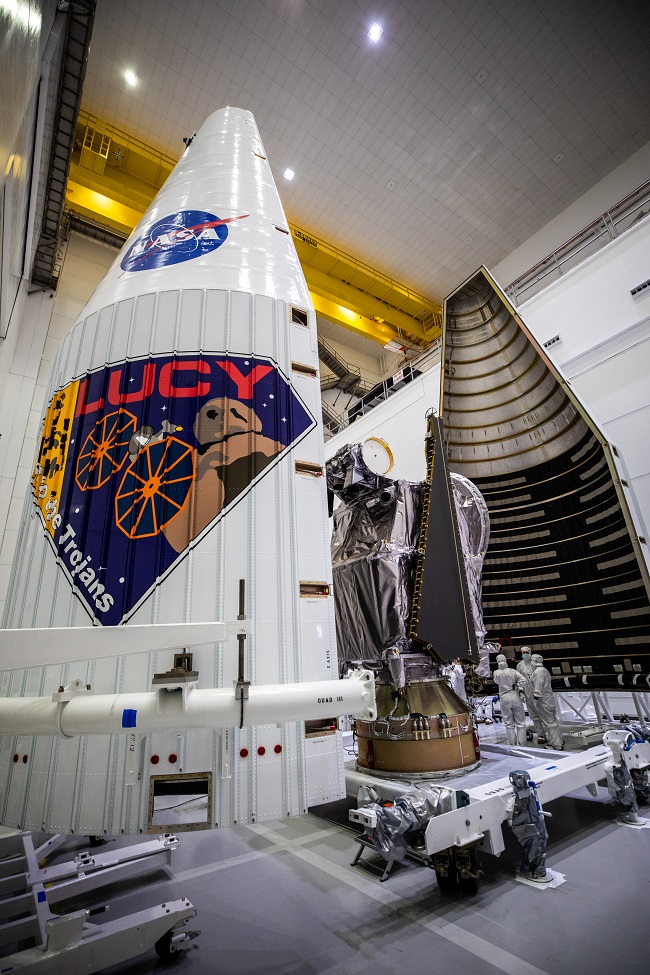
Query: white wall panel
[[122, 318], [88, 338], [400, 422], [605, 345], [592, 303], [264, 328], [301, 345]]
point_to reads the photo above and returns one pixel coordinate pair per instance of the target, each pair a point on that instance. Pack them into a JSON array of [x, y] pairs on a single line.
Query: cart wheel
[[447, 882], [468, 885], [96, 840], [165, 950]]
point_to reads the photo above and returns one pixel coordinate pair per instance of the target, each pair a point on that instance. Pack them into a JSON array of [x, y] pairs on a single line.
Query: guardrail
[[382, 391], [591, 239]]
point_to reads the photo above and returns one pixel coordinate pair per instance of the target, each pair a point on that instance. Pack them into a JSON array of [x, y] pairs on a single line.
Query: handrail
[[608, 225], [382, 391]]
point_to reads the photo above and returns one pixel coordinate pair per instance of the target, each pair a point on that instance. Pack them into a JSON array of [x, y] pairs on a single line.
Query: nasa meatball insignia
[[178, 237]]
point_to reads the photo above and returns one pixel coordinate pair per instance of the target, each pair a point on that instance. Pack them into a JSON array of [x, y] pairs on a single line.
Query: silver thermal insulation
[[474, 528], [375, 538], [374, 542], [410, 811]]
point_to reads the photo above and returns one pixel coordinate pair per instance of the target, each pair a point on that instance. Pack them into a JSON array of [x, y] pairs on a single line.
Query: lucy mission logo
[[179, 237], [139, 460]]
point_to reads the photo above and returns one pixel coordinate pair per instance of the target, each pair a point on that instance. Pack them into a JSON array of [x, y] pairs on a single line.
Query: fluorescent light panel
[[288, 174], [130, 77], [375, 32]]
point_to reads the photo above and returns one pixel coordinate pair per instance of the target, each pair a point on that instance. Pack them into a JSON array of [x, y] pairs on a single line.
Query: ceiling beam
[[365, 305], [351, 320]]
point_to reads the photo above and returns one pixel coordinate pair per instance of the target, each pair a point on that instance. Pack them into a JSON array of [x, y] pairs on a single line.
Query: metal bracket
[[238, 627], [185, 687], [369, 713], [366, 817], [75, 688]]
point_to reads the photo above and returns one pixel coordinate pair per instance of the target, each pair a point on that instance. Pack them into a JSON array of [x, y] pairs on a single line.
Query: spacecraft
[[178, 505], [566, 572], [407, 575]]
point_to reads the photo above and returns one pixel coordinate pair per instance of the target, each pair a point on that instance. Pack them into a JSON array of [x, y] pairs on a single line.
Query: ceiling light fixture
[[375, 32], [131, 77], [288, 174]]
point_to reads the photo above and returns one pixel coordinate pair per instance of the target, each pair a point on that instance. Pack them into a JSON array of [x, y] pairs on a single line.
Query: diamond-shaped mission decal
[[139, 459]]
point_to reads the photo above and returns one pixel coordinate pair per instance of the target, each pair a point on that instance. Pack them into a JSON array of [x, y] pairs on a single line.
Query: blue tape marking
[[129, 716], [549, 767], [635, 741], [41, 896]]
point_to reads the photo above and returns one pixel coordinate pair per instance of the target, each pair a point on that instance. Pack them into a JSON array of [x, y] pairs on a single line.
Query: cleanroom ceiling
[[447, 143]]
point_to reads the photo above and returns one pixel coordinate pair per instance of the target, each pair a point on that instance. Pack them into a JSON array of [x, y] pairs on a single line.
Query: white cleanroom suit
[[512, 707], [545, 702], [525, 669]]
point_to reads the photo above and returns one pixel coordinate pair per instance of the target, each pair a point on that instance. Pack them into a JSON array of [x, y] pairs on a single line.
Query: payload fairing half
[[566, 571], [180, 454]]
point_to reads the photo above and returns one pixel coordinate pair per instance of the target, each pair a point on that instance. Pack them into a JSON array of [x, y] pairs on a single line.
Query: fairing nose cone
[[216, 223]]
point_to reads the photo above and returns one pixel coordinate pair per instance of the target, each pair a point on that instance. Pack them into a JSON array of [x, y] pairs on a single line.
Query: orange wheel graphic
[[105, 449], [155, 488]]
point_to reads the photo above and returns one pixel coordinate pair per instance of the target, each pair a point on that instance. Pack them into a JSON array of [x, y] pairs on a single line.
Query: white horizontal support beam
[[487, 809], [24, 648], [167, 710]]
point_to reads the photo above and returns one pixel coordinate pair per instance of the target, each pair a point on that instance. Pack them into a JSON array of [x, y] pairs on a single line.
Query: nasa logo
[[179, 237]]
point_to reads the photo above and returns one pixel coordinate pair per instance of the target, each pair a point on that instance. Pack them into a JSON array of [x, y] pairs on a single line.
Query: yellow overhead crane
[[114, 177]]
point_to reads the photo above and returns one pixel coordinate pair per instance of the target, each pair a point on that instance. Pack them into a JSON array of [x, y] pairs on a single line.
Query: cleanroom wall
[[30, 40], [604, 346]]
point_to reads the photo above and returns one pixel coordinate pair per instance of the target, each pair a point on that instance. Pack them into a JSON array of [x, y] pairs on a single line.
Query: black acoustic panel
[[443, 616], [576, 594]]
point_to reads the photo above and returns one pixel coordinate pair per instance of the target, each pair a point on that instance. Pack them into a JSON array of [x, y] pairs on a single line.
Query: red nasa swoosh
[[198, 226]]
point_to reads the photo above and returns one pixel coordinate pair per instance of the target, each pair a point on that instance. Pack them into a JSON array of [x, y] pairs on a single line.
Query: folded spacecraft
[[407, 572]]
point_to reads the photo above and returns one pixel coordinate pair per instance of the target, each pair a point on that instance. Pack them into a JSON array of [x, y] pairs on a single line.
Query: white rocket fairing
[[177, 458]]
